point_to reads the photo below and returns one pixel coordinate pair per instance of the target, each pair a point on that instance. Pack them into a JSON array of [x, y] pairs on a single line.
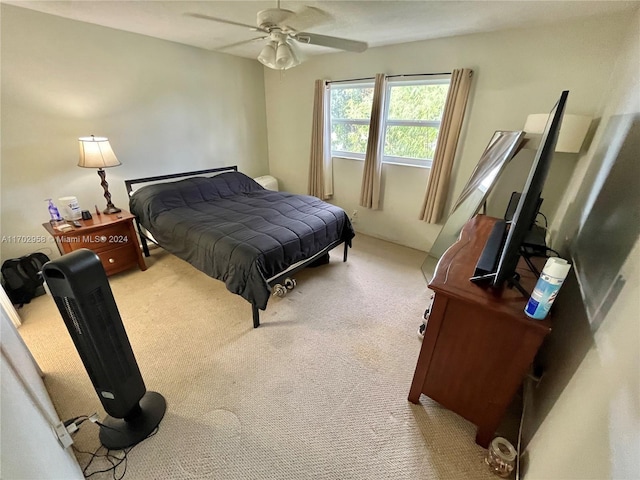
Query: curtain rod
[[389, 76]]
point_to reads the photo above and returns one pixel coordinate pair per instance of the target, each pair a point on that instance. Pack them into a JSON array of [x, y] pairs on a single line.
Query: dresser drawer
[[103, 239], [118, 259]]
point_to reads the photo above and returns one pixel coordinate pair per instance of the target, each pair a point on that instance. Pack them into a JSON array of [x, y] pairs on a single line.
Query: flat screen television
[[503, 247]]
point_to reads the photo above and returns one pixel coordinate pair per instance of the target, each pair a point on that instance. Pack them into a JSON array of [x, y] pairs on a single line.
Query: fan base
[[272, 17], [118, 433]]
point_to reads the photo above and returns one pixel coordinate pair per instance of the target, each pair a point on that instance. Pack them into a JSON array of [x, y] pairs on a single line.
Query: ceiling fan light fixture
[[284, 56], [267, 56], [282, 28]]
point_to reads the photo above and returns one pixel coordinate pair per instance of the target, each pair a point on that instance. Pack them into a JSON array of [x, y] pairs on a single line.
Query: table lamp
[[573, 130], [96, 152]]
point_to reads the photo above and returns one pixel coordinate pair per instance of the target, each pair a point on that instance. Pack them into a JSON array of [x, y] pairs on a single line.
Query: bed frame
[[276, 282]]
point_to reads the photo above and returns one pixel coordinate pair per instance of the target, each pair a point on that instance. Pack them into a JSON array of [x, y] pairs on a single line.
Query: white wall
[[165, 108], [24, 426], [593, 429], [517, 72]]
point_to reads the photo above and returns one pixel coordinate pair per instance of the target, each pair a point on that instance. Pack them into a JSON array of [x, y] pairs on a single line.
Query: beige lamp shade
[[96, 152], [572, 131]]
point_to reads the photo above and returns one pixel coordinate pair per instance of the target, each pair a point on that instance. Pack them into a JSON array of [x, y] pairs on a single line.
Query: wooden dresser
[[478, 344], [112, 237]]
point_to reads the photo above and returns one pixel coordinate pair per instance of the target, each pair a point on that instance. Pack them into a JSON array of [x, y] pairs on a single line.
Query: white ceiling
[[375, 22]]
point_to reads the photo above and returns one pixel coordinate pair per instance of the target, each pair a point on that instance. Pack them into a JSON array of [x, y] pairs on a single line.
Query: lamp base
[[111, 209]]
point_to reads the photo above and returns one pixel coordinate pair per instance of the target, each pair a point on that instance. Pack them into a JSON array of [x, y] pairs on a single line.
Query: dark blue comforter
[[232, 229]]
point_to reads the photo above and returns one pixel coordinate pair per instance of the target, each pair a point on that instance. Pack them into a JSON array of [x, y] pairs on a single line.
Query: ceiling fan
[[279, 26]]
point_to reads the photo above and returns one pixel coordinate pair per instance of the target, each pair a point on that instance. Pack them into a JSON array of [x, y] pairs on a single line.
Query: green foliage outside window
[[347, 137], [351, 103], [412, 122], [417, 102], [411, 142]]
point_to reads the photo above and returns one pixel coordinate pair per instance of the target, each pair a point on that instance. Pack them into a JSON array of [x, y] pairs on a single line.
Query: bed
[[228, 226]]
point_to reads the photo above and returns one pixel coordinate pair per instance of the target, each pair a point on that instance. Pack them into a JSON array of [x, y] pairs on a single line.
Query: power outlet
[[354, 216], [63, 435]]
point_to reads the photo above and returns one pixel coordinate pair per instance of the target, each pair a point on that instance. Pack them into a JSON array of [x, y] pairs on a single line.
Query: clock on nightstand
[[111, 236]]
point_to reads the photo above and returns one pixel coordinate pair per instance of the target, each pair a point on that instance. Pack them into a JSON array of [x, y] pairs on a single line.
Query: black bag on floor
[[22, 278]]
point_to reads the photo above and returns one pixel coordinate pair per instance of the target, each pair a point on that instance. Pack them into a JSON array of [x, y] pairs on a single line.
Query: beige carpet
[[318, 391]]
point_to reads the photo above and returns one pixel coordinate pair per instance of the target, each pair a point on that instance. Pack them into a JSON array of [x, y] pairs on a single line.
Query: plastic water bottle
[[53, 211], [546, 290]]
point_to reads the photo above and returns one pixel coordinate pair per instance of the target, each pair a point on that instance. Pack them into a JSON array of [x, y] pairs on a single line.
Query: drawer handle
[[112, 260]]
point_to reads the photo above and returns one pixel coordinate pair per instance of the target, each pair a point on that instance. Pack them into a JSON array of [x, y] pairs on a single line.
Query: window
[[412, 116], [350, 113]]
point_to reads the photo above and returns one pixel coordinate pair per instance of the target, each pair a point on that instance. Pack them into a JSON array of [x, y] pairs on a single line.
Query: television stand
[[479, 343], [515, 282]]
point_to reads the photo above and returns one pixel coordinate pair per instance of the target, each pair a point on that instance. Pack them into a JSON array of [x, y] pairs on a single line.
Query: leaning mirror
[[501, 148]]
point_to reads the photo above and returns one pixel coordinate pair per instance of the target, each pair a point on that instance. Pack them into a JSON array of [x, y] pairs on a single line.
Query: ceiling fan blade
[[307, 17], [332, 42], [231, 45], [223, 20]]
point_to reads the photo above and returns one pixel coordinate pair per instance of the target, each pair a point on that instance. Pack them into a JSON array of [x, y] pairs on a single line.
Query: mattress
[[234, 230]]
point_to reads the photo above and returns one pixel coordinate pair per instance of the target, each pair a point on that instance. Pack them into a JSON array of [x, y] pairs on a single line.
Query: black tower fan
[[79, 286]]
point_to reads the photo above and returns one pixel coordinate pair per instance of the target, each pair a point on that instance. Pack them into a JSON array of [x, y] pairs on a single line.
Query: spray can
[[546, 290]]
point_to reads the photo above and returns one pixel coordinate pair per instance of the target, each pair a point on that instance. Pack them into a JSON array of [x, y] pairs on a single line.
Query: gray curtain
[[438, 183], [320, 165], [370, 190]]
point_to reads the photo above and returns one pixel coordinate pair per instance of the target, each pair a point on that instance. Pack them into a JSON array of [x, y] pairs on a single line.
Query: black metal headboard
[[130, 183]]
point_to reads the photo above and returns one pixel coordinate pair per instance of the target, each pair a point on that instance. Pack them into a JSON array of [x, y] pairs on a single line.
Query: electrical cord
[[75, 420], [106, 426], [546, 229], [109, 457], [113, 459], [116, 461], [546, 222], [553, 251]]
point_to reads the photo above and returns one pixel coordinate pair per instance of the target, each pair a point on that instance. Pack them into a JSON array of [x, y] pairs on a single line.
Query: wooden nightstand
[[112, 237]]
